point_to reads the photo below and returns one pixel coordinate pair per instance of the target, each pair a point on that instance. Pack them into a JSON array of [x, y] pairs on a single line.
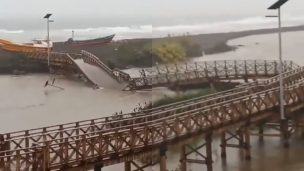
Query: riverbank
[[17, 64], [131, 53], [136, 52]]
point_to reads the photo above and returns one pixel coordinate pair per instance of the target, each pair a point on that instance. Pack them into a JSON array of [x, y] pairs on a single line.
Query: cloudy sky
[[22, 19]]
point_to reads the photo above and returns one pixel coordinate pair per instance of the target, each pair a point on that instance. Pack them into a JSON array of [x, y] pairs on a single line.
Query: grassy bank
[[193, 92], [182, 97]]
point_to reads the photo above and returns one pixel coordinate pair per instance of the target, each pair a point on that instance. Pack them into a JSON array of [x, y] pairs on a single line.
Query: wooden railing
[[199, 72], [94, 60], [81, 71]]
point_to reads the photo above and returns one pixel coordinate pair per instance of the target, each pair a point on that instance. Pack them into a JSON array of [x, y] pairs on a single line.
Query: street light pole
[[277, 6], [47, 17], [281, 68], [284, 121], [48, 41]]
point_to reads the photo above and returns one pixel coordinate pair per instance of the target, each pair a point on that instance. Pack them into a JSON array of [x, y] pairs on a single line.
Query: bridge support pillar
[[163, 158], [35, 158], [183, 159], [208, 139], [239, 133], [127, 166], [242, 135], [284, 132], [261, 132], [246, 79], [299, 126], [206, 159], [223, 145], [98, 166], [246, 145]]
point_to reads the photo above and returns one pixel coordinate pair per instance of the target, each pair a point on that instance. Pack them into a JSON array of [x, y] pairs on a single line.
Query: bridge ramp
[[98, 75]]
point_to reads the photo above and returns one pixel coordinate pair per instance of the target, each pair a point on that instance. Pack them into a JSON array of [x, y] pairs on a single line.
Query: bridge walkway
[[206, 71], [86, 64], [166, 75]]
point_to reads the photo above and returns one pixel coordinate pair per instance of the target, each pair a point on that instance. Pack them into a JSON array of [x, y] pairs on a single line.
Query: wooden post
[[265, 65], [205, 69], [35, 157], [163, 158], [27, 143], [77, 130], [246, 72], [255, 68], [223, 145], [77, 142], [127, 166], [92, 125], [261, 132], [299, 127], [44, 134], [2, 148], [98, 166], [18, 162], [276, 68], [83, 148], [247, 143], [215, 69], [208, 139], [235, 69], [226, 69], [183, 159], [61, 132], [8, 147], [46, 158], [241, 137], [284, 132], [66, 151]]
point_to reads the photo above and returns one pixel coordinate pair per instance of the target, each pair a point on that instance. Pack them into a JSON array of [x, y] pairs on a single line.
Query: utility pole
[[284, 121], [277, 6], [47, 17]]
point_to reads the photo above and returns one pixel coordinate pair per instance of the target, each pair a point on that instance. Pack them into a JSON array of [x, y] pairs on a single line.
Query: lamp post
[[47, 17], [277, 6]]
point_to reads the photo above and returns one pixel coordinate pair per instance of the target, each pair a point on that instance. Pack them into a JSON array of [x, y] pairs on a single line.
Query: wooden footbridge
[[67, 62], [166, 75], [206, 72], [133, 136]]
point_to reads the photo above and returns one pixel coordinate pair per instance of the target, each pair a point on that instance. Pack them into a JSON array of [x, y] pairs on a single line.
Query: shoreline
[[218, 42], [135, 53], [124, 57]]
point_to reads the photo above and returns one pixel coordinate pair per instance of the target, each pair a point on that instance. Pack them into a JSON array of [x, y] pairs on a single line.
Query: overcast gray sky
[[19, 16]]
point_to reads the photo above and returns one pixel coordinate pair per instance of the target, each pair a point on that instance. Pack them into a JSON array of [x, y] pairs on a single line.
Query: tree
[[169, 52]]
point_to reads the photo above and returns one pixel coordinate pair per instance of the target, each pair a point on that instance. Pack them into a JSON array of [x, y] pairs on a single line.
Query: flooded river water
[[26, 104]]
